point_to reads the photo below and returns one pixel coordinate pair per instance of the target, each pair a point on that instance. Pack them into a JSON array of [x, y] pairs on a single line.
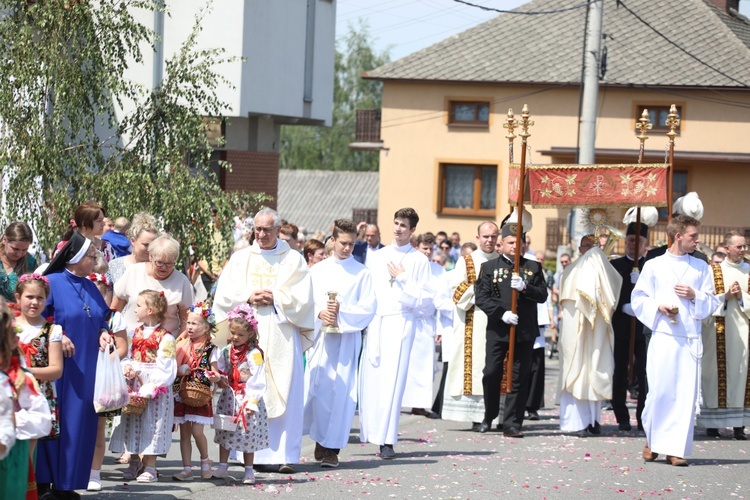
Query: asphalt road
[[443, 460]]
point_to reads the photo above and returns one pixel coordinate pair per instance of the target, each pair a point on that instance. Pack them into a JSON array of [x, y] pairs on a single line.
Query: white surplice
[[331, 374], [385, 358], [460, 405], [284, 331], [588, 297], [422, 362], [675, 349], [732, 410]]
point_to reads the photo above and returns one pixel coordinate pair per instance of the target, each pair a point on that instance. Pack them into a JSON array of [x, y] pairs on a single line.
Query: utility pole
[[590, 98]]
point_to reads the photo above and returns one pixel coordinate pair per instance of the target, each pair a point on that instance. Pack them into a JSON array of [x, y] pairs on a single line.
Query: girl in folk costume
[[40, 341], [195, 357], [32, 414], [152, 362], [243, 377], [118, 329]]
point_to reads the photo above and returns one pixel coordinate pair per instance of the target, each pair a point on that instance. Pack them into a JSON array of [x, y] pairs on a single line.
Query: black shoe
[[739, 434], [387, 452], [625, 426], [475, 426], [499, 426], [61, 495], [513, 432], [583, 433], [552, 349], [424, 413], [532, 415], [713, 432], [484, 427], [595, 429]]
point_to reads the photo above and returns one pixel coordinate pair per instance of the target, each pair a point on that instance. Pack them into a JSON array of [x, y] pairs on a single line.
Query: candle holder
[[332, 328]]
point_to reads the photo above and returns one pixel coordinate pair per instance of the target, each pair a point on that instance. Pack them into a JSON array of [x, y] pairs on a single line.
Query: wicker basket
[[136, 406], [194, 393]]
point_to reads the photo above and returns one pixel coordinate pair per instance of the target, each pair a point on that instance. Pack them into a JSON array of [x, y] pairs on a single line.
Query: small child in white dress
[[152, 359], [242, 376]]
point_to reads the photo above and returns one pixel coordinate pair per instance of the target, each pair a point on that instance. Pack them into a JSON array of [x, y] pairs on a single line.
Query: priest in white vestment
[[726, 387], [400, 278], [275, 280], [588, 297], [673, 294], [331, 374], [422, 362], [464, 349]]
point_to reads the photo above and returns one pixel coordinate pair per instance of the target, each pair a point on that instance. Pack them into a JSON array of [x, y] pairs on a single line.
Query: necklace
[[80, 295], [393, 278]]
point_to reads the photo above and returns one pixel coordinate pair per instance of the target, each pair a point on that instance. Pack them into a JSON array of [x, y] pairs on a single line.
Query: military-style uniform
[[492, 292], [621, 324]]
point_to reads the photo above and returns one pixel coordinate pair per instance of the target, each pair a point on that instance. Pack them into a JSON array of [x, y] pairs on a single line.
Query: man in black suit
[[492, 291], [622, 323], [370, 242]]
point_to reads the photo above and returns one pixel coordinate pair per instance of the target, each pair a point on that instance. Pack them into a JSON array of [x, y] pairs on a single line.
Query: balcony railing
[[368, 126]]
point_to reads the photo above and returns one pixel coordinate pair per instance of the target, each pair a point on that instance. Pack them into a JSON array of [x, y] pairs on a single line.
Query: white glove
[[517, 283], [509, 318], [634, 277], [184, 370], [628, 309]]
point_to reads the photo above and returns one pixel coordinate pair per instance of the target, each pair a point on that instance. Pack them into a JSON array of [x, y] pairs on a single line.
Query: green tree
[[64, 138], [327, 148]]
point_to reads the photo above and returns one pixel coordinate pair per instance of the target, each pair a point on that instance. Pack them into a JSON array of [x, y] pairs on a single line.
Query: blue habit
[[66, 461]]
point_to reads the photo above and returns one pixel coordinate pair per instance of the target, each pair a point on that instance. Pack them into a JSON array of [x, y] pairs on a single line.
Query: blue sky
[[406, 26]]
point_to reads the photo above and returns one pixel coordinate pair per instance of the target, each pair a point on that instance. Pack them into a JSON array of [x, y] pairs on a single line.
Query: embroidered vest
[[145, 350]]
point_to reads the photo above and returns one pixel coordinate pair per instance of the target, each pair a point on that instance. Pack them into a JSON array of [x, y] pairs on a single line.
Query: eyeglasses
[[159, 263]]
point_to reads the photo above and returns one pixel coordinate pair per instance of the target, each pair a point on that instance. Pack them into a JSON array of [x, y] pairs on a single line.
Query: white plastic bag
[[110, 387]]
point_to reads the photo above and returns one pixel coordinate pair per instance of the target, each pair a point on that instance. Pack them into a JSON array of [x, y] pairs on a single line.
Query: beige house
[[443, 145]]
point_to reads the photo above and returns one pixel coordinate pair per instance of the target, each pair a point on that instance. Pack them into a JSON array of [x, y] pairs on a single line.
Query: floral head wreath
[[100, 278], [33, 276], [244, 312], [203, 310]]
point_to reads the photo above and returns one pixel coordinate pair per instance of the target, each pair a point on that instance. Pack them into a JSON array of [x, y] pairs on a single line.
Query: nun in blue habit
[[64, 464]]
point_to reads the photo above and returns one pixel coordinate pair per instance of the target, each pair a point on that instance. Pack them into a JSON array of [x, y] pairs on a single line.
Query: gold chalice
[[673, 310]]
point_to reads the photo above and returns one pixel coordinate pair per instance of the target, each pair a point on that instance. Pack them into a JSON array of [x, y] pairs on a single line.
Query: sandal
[[134, 469]]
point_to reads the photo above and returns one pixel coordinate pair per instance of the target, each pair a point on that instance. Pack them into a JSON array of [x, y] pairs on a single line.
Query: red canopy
[[618, 185]]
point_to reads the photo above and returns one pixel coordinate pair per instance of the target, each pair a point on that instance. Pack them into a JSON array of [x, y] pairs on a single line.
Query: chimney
[[727, 5]]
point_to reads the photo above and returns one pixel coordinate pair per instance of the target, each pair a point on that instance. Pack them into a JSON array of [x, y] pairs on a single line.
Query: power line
[[621, 3], [521, 12]]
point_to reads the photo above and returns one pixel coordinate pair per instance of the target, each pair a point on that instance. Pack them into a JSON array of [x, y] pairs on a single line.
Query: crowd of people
[[294, 337]]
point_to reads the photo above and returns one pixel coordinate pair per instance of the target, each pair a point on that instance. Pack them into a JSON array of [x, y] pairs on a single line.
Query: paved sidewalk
[[441, 459]]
